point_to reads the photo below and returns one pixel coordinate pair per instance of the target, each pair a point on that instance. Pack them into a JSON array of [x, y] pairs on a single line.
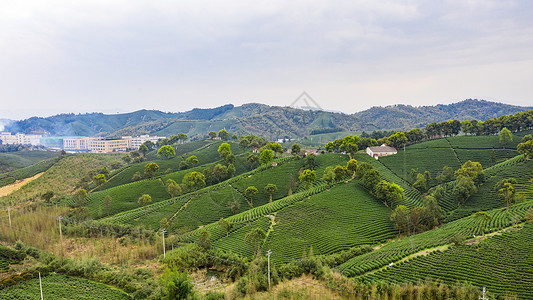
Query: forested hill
[[259, 119]]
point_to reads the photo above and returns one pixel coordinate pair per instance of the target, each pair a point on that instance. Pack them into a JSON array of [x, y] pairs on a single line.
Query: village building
[[379, 151]]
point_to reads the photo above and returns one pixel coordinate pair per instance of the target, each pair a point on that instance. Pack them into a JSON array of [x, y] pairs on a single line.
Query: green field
[[61, 287], [466, 227], [328, 222], [503, 263], [17, 160]]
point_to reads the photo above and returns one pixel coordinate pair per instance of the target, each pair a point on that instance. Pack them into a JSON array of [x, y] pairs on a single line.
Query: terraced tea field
[[61, 287], [465, 227], [502, 263]]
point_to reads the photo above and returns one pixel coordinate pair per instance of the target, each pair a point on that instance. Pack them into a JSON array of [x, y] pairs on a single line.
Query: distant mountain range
[[268, 121]]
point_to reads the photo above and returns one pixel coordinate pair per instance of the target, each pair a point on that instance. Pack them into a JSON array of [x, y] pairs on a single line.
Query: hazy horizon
[[113, 57]]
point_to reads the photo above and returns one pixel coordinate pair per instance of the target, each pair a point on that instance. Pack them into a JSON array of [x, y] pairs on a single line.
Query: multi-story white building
[[76, 144], [137, 141], [97, 145], [20, 138]]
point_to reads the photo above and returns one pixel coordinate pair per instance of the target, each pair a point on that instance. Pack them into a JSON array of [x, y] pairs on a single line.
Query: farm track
[[454, 152], [10, 188]]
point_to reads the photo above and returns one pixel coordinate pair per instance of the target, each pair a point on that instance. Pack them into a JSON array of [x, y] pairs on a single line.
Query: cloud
[[100, 55]]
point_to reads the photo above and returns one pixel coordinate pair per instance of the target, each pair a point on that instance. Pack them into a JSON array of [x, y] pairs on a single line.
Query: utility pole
[[9, 215], [41, 286], [164, 251], [268, 256], [483, 298], [60, 232]]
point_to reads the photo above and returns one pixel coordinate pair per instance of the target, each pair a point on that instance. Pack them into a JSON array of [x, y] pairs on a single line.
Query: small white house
[[378, 151]]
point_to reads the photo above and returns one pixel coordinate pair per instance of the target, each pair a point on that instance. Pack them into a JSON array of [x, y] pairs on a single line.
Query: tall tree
[[329, 176], [250, 192], [253, 159], [223, 135], [194, 181], [507, 191], [80, 196], [212, 135], [307, 176], [271, 189], [173, 189], [446, 175], [166, 152], [400, 218], [506, 137], [144, 200], [266, 157], [254, 238], [483, 218], [526, 148], [150, 170], [371, 179], [99, 179], [295, 150], [352, 166], [226, 225]]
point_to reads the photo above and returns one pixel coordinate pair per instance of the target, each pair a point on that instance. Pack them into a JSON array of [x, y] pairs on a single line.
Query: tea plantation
[[502, 263], [61, 287]]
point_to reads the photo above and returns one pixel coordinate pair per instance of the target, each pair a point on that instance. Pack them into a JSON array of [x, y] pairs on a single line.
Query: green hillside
[[17, 160], [501, 263]]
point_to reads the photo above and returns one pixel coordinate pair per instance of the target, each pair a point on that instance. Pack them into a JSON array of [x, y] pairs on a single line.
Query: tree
[[192, 160], [271, 189], [371, 179], [483, 218], [150, 170], [400, 218], [340, 172], [163, 223], [220, 172], [507, 191], [506, 137], [204, 239], [144, 200], [253, 159], [143, 149], [254, 238], [307, 176], [397, 140], [176, 285], [224, 150], [310, 161], [446, 175], [266, 157], [166, 152], [226, 225], [80, 196], [362, 169], [526, 148], [432, 214], [182, 137], [389, 191], [527, 137], [295, 150], [415, 216], [464, 188], [244, 143], [250, 192], [173, 188], [99, 179], [107, 203], [421, 183], [194, 181], [223, 135], [47, 196], [126, 158], [212, 135], [136, 176], [329, 176], [352, 166], [469, 169], [234, 137]]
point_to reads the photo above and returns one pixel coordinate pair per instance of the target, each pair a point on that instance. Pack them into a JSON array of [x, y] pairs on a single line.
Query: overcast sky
[[120, 56]]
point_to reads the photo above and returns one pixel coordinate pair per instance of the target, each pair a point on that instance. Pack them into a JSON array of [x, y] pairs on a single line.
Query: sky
[[120, 56]]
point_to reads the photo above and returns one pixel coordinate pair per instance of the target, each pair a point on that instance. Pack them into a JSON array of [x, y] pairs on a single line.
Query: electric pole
[[164, 251], [268, 256], [41, 286], [483, 298], [9, 215], [60, 232]]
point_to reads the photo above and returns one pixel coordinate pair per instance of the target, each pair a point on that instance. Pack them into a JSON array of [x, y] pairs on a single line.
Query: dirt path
[[8, 189]]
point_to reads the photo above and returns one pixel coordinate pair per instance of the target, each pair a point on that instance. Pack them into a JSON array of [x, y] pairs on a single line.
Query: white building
[[137, 141], [378, 151], [20, 138]]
